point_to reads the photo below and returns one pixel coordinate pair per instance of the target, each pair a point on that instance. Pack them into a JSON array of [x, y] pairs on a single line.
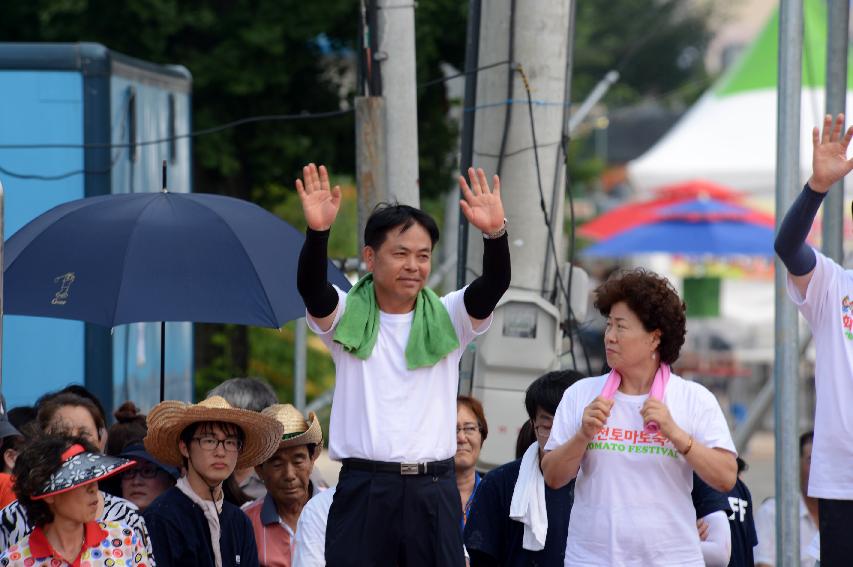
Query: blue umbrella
[[689, 238], [163, 256]]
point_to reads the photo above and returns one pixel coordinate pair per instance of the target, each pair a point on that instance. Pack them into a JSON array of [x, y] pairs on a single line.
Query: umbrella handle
[[162, 360]]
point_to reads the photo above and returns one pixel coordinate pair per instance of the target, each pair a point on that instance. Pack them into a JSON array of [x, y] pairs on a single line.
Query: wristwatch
[[496, 234]]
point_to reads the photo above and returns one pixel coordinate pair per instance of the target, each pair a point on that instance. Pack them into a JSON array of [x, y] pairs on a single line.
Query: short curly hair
[[40, 458], [653, 300]]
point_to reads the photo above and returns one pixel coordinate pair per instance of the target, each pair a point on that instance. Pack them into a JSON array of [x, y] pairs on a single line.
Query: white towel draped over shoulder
[[528, 501]]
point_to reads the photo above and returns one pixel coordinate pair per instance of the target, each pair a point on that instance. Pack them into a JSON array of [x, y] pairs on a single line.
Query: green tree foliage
[[440, 27], [656, 45], [247, 58]]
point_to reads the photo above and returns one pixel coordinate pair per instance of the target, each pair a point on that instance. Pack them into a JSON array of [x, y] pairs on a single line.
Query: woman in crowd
[[57, 482], [65, 413], [634, 437], [143, 483], [471, 432], [150, 478]]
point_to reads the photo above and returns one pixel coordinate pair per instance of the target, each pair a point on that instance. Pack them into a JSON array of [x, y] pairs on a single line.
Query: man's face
[[286, 475], [542, 423], [402, 264], [76, 421], [213, 451]]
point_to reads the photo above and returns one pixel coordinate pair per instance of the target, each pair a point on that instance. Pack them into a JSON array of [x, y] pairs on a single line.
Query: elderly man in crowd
[[287, 477]]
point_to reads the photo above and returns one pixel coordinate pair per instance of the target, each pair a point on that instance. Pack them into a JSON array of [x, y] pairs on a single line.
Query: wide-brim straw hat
[[168, 419], [297, 430], [80, 467]]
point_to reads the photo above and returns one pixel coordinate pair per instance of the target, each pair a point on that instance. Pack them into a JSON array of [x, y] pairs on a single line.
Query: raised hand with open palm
[[829, 158], [481, 206], [320, 202]]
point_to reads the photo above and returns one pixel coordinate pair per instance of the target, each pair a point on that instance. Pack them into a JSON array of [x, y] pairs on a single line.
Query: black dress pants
[[385, 519], [836, 532]]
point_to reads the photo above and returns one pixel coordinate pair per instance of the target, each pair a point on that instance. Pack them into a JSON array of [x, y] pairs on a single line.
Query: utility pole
[[525, 340], [396, 57], [386, 114]]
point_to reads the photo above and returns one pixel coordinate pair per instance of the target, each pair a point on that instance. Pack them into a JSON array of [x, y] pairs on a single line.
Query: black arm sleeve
[[483, 294], [311, 277], [790, 243]]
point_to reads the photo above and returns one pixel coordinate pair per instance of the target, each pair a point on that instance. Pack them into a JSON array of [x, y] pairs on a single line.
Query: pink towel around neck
[[614, 379]]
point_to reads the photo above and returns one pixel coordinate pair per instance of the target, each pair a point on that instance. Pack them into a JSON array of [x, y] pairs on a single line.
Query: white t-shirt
[[765, 529], [309, 545], [828, 308], [383, 411], [632, 502]]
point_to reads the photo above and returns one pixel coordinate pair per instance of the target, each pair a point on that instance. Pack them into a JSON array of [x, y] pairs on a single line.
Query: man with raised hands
[[823, 292], [396, 347]]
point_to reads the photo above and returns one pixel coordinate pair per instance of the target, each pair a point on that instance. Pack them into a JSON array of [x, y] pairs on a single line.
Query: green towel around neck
[[431, 338]]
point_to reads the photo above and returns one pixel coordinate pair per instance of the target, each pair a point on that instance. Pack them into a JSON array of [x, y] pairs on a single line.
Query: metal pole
[[396, 31], [466, 158], [785, 369], [838, 13], [300, 346]]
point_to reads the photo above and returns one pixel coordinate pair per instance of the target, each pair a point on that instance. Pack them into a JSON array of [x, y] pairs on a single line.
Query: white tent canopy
[[729, 135]]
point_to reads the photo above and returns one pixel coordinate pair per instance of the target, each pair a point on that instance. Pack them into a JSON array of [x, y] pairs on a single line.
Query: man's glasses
[[146, 471], [230, 444]]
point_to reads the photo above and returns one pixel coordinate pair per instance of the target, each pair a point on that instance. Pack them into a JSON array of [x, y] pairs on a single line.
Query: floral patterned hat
[[80, 467]]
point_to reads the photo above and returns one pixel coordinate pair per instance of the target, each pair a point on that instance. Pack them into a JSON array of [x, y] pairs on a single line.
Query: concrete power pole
[[387, 119], [396, 55], [525, 338]]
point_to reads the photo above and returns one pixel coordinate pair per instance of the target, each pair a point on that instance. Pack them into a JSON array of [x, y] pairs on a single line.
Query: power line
[[194, 134], [462, 74]]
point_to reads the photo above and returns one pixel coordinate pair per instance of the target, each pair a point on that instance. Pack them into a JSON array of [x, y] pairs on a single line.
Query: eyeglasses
[[468, 430], [149, 471], [210, 444]]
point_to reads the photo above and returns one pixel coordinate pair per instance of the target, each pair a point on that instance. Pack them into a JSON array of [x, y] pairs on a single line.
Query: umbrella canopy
[[163, 256], [689, 238], [696, 191]]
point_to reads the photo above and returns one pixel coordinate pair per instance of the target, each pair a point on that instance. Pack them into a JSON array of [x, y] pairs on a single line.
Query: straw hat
[[80, 467], [297, 431], [168, 419]]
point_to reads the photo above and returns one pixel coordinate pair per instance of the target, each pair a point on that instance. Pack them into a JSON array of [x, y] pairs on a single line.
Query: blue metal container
[[82, 117]]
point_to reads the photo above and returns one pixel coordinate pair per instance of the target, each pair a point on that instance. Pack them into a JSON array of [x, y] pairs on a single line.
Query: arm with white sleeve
[[717, 545]]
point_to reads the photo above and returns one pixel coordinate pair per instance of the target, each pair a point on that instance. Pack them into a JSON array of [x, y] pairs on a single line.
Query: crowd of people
[[635, 467]]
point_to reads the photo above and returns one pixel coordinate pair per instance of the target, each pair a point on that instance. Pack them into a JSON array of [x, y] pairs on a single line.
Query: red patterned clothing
[[103, 544]]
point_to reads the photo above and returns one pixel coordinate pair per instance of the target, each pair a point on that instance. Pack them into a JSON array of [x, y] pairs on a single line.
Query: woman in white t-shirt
[[634, 437]]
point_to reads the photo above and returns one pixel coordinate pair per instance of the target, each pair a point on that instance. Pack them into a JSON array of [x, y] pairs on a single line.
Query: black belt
[[406, 469]]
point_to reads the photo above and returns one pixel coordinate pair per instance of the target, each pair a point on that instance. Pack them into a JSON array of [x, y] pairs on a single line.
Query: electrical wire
[[571, 321], [510, 84], [194, 134], [462, 74]]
